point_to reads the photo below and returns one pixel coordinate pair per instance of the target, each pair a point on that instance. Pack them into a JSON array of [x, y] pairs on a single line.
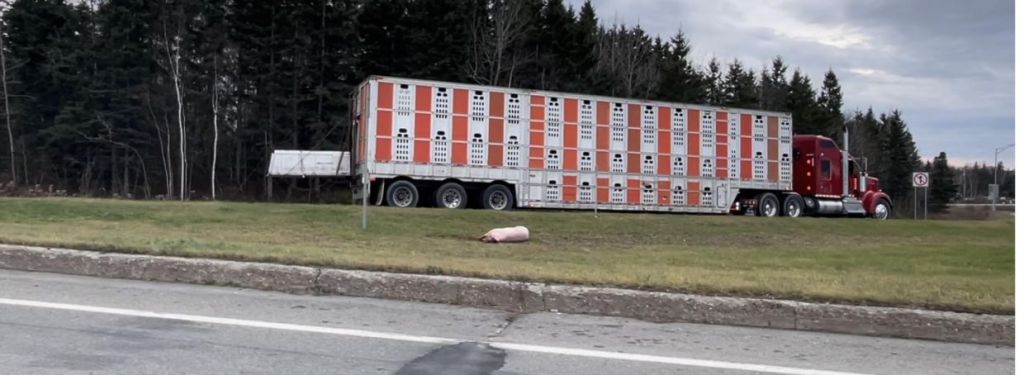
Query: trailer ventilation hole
[[553, 160], [477, 150], [678, 196], [649, 165], [586, 193], [618, 164], [618, 194], [553, 193], [679, 166]]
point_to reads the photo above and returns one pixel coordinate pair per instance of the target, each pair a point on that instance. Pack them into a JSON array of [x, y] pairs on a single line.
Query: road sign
[[920, 179]]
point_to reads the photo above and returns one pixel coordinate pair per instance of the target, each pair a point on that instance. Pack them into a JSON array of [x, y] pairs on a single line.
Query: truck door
[[824, 175], [830, 169]]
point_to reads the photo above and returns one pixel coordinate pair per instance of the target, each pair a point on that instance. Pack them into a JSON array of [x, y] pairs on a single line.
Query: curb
[[523, 297]]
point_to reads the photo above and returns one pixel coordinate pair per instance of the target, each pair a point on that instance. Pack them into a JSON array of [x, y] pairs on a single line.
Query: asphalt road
[[57, 324]]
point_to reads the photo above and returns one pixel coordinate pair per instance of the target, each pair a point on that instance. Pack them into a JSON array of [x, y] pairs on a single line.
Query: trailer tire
[[497, 197], [451, 195], [793, 206], [767, 205], [403, 193]]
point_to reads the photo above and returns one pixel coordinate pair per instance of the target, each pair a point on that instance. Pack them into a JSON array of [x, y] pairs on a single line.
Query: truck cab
[[832, 185]]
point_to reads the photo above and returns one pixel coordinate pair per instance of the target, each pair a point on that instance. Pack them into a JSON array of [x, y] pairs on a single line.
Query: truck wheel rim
[[451, 198], [403, 197], [881, 212], [793, 210], [497, 200], [768, 208]]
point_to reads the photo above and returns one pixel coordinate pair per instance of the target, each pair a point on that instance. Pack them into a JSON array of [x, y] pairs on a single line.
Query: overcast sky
[[946, 64]]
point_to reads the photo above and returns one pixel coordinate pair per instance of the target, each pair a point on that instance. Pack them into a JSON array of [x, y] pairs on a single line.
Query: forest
[[186, 99]]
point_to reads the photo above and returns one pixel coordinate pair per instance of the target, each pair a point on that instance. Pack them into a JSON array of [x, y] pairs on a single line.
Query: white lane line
[[423, 339], [230, 322]]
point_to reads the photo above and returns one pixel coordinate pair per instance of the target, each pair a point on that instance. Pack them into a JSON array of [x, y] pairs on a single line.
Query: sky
[[947, 65]]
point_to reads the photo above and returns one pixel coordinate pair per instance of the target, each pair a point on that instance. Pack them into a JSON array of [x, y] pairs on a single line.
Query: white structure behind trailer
[[300, 163]]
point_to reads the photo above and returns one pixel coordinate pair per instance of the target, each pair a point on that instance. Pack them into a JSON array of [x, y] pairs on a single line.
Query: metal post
[[995, 173], [926, 203], [915, 203], [846, 162], [366, 196], [995, 178]]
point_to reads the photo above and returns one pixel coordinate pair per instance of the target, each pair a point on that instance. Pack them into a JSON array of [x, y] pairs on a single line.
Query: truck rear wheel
[[496, 197], [767, 205], [403, 194], [793, 206], [451, 195]]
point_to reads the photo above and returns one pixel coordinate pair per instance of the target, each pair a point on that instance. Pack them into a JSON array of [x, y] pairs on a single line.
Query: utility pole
[[995, 174]]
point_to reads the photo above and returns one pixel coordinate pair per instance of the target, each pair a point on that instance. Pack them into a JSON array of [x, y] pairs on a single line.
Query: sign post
[[920, 180], [366, 195]]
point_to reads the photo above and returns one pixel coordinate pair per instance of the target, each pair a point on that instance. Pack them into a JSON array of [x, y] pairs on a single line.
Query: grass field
[[950, 265]]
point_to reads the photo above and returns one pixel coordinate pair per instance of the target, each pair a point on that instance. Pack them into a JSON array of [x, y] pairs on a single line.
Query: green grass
[[950, 265]]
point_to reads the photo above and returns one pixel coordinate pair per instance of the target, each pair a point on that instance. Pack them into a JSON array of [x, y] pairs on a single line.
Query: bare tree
[[497, 34], [7, 106], [214, 98], [173, 49], [164, 147], [626, 55]]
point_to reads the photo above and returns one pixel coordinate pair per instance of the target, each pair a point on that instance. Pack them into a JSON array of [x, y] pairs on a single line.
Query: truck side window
[[826, 169]]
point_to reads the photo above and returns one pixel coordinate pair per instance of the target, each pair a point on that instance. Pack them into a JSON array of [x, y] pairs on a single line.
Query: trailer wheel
[[882, 210], [496, 197], [767, 205], [451, 195], [793, 206], [403, 194]]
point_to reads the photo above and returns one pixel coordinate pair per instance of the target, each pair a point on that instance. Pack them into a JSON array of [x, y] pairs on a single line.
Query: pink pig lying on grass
[[513, 234]]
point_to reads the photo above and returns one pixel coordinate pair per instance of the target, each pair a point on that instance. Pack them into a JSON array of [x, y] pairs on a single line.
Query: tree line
[[186, 99]]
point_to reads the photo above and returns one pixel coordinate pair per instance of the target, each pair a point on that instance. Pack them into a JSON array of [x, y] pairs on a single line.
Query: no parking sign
[[920, 180]]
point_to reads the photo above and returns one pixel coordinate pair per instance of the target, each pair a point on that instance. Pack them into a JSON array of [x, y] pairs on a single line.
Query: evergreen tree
[[830, 103], [800, 103], [899, 156], [941, 186], [774, 88], [582, 54], [714, 93], [556, 37], [739, 87], [679, 81]]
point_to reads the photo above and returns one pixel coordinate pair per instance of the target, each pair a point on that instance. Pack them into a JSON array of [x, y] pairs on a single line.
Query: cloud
[[948, 65]]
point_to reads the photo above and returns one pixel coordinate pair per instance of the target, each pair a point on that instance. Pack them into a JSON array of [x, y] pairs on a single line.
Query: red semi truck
[[428, 143]]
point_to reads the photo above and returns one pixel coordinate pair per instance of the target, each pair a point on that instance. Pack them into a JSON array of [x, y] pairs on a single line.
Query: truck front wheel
[[402, 194], [882, 210], [767, 205]]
